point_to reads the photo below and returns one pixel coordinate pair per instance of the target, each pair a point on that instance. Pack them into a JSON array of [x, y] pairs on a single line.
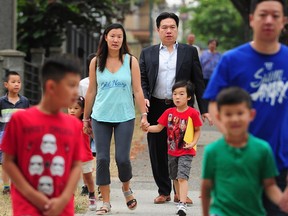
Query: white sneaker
[[181, 209], [92, 204]]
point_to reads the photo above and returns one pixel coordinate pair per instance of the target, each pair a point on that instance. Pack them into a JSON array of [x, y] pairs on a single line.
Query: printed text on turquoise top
[[113, 84]]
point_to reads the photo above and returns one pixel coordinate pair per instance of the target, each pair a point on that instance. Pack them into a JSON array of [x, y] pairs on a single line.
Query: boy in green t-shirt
[[238, 166]]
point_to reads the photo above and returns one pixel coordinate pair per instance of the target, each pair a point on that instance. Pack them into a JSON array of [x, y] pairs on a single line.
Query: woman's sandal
[[131, 204], [105, 209]]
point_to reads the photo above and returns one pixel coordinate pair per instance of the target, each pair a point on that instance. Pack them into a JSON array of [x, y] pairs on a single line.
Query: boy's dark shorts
[[0, 157], [179, 167]]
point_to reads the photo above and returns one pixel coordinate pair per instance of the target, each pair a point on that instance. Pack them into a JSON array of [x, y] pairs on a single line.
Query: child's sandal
[[131, 204], [105, 209]]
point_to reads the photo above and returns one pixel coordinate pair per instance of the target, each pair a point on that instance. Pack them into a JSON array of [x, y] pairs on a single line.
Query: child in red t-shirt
[[41, 145], [77, 110], [180, 153]]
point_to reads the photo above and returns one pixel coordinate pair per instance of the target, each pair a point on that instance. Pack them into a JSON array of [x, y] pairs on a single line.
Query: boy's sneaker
[[84, 191], [6, 191], [181, 209], [92, 204]]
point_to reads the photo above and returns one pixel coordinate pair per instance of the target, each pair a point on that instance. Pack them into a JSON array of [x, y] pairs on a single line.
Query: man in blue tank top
[[261, 68]]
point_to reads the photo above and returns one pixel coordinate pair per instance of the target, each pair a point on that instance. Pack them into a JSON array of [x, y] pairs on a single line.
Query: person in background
[[77, 110], [180, 151], [261, 68], [209, 59], [161, 66], [41, 145], [191, 41], [83, 86], [113, 86], [9, 104], [238, 166]]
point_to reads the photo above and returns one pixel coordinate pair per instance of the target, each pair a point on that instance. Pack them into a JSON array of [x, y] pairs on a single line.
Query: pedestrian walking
[[261, 68], [11, 102], [180, 150], [209, 60], [161, 66], [109, 106], [77, 110], [238, 166], [41, 145]]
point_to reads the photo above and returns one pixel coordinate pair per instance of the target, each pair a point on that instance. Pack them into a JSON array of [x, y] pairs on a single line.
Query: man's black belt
[[166, 100]]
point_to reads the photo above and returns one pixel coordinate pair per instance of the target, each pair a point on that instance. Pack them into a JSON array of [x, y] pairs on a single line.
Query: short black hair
[[10, 73], [166, 15], [189, 88], [232, 96], [57, 67], [213, 39], [254, 4]]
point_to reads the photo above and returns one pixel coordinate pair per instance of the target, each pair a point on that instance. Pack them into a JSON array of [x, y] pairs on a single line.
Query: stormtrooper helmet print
[[36, 165], [45, 185], [48, 144], [57, 167]]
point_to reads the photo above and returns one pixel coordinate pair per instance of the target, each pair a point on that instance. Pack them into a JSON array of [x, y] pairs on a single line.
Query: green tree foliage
[[217, 19], [42, 23]]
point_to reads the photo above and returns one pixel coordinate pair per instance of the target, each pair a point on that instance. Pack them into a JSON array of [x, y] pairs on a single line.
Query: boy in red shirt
[[41, 145], [180, 153]]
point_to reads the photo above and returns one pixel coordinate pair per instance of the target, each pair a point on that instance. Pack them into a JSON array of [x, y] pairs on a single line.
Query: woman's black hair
[[102, 51]]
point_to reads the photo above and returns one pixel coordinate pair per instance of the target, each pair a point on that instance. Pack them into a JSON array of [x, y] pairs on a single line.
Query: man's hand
[[147, 102], [208, 117]]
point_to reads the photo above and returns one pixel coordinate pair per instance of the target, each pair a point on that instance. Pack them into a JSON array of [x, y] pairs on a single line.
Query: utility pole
[[151, 21], [8, 24]]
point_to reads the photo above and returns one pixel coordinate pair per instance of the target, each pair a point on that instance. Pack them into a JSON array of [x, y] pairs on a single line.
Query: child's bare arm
[[284, 200], [155, 128], [37, 198], [206, 188], [195, 139], [272, 191], [56, 205]]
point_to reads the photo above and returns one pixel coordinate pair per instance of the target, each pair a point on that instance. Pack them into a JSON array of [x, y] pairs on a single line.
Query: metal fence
[[32, 85], [81, 43]]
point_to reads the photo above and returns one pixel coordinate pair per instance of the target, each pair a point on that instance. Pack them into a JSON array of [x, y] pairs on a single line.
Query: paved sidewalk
[[145, 189]]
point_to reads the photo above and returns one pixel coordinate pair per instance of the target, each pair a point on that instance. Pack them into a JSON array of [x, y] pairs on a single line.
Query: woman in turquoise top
[[110, 104]]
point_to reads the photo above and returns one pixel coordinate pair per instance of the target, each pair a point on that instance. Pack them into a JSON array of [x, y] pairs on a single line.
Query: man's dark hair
[[233, 96], [189, 88], [56, 68], [166, 15], [254, 4], [10, 73]]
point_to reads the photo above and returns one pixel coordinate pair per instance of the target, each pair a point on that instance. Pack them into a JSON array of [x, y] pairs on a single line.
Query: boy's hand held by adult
[[147, 102]]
